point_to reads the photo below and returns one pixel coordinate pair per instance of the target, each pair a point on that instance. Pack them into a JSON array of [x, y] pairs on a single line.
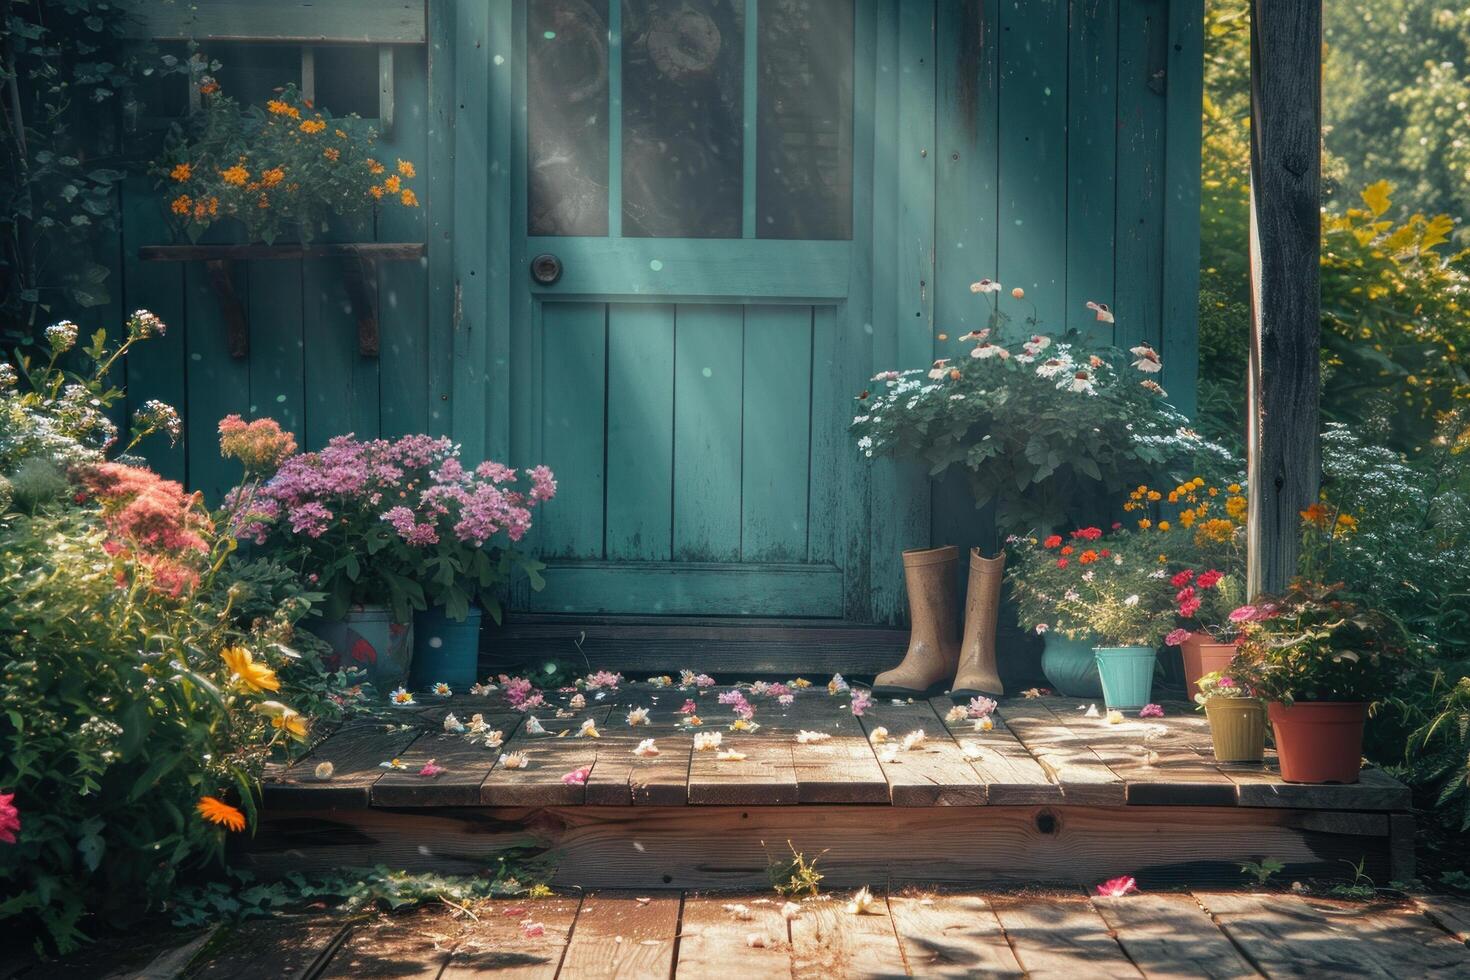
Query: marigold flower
[[408, 198], [374, 167], [376, 192], [217, 811], [235, 176], [249, 675], [182, 204], [272, 177], [279, 108], [1317, 515], [208, 87], [406, 169], [332, 153], [312, 126], [392, 184], [181, 172]]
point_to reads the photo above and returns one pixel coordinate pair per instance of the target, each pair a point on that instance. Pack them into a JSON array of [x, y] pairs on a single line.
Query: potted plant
[[1120, 596], [281, 169], [385, 529], [1237, 718], [1320, 661], [1038, 575]]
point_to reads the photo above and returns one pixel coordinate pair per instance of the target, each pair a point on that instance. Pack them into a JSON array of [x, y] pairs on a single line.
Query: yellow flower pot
[[1238, 729]]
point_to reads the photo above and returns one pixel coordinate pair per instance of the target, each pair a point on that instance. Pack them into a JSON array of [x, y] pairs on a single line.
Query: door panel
[[689, 163]]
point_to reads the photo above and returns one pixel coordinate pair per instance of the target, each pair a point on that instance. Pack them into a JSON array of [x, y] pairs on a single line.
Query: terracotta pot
[[1237, 729], [1202, 655], [1319, 741]]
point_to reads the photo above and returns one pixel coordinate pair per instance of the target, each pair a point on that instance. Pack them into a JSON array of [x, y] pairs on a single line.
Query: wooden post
[[1285, 243]]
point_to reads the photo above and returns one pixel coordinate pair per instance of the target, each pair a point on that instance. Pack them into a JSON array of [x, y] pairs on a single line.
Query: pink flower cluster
[[738, 704], [151, 522], [604, 678], [416, 484]]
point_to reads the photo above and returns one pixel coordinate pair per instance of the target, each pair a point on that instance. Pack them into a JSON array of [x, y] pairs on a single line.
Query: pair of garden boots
[[940, 655]]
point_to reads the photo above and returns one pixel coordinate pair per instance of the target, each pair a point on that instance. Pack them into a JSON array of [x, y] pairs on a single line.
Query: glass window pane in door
[[566, 117], [804, 119], [683, 104]]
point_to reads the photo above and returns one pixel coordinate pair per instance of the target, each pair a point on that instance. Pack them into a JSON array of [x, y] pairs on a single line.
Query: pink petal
[[577, 777], [531, 930], [1118, 887]]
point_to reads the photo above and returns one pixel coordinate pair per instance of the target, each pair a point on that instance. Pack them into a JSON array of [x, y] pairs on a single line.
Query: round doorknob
[[546, 268]]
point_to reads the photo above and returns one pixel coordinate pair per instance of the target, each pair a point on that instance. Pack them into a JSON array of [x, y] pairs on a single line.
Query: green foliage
[[284, 168], [1036, 425], [1439, 749], [795, 875], [1262, 871]]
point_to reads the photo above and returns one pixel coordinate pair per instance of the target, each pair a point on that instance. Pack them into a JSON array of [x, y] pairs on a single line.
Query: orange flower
[[272, 177], [406, 169], [313, 126], [236, 175], [263, 203], [208, 87], [392, 184], [374, 167], [279, 108], [375, 191], [340, 134], [408, 198], [181, 204], [218, 811], [332, 153], [1067, 550], [1087, 557], [181, 172], [1317, 515]]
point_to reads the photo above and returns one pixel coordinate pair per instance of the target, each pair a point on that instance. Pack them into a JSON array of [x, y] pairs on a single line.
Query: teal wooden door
[[682, 252]]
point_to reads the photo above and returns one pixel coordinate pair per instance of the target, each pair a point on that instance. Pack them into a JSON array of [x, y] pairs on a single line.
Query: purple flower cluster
[[416, 484]]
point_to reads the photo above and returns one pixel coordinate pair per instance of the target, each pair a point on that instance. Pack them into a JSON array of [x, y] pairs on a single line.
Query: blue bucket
[[1071, 667], [445, 650], [1127, 675]]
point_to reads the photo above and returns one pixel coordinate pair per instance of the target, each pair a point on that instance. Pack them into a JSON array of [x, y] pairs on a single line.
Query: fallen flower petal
[[1092, 712], [1115, 717], [878, 735], [705, 741], [957, 713], [646, 748], [532, 930], [809, 738], [393, 764], [1118, 887], [862, 902], [577, 703], [515, 760], [589, 730], [730, 755], [738, 910], [533, 726], [577, 777], [453, 725], [984, 725], [431, 769], [1151, 711], [861, 701], [638, 716], [914, 739], [755, 940]]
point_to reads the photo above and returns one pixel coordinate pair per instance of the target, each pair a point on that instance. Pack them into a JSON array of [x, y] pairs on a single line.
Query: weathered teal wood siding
[[1052, 144]]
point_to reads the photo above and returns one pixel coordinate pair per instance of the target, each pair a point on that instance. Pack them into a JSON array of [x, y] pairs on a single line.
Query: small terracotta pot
[[1319, 741], [1202, 655], [1237, 729]]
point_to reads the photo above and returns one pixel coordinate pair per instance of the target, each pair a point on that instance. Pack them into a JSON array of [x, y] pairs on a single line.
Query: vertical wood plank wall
[[1049, 144]]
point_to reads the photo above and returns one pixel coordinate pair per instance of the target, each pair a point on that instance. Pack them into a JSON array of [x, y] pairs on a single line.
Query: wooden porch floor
[[1047, 795], [909, 933]]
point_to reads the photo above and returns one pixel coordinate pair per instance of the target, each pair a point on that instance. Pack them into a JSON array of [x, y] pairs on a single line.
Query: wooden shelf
[[359, 268]]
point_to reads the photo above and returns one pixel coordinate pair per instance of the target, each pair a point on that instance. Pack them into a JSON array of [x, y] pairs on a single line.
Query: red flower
[[1052, 542], [1067, 550], [1182, 579], [1105, 553], [1209, 579], [1062, 563], [1117, 524], [1087, 533]]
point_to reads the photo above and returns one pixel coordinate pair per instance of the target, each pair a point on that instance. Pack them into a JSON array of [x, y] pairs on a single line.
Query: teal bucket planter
[[445, 650], [1070, 667], [367, 640], [1127, 675]]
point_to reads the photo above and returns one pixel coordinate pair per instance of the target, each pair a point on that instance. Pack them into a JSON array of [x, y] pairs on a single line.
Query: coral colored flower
[[1151, 711], [1176, 637], [1087, 557], [1067, 550], [431, 768], [577, 777], [689, 708], [9, 818], [1118, 887], [1244, 614], [249, 675], [1062, 563], [218, 811]]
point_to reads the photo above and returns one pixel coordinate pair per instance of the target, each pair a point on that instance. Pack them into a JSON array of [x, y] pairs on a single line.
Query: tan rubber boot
[[934, 643], [977, 674]]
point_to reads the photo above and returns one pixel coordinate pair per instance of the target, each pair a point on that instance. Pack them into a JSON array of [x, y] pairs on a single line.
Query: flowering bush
[[284, 168], [401, 523], [1038, 424], [148, 673], [1219, 685], [1110, 587], [1312, 644]]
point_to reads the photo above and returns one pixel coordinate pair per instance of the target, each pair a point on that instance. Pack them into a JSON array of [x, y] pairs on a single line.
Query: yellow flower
[[392, 185], [374, 167], [1236, 507], [1186, 519], [1234, 488], [272, 177], [1163, 525], [313, 126], [1217, 531], [181, 204], [279, 108], [249, 675], [236, 175], [1145, 523], [292, 722], [1346, 524], [215, 810], [1155, 496], [406, 169], [181, 172], [341, 135], [409, 199]]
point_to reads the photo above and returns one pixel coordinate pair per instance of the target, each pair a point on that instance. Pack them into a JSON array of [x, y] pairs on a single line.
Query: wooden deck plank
[[466, 763], [1157, 772], [497, 945], [271, 949], [952, 936], [714, 941], [766, 777], [620, 934], [827, 941], [551, 757], [621, 778], [843, 769], [1061, 936], [1289, 935], [405, 947], [1010, 773], [1263, 786], [1168, 935], [1083, 776], [935, 773], [356, 751], [1446, 911]]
